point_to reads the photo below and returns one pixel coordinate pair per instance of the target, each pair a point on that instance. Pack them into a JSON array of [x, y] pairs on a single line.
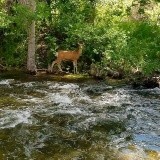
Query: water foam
[[114, 99], [6, 81], [59, 98], [11, 118]]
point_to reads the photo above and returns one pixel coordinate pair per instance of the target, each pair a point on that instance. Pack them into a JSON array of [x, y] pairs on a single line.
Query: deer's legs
[[53, 63], [58, 63], [75, 66], [59, 66]]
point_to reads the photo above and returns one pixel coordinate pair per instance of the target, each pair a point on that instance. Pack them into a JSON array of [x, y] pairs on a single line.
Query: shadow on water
[[74, 121]]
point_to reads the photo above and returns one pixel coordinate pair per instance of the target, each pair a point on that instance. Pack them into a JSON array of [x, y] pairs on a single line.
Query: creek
[[51, 120]]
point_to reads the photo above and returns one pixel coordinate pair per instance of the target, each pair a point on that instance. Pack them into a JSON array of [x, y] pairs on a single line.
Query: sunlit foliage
[[117, 33]]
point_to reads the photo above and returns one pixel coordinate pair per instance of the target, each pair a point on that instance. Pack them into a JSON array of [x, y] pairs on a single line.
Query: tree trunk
[[31, 64]]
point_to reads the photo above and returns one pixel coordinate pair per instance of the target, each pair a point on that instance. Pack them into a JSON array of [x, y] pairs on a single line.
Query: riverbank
[[135, 80], [43, 75]]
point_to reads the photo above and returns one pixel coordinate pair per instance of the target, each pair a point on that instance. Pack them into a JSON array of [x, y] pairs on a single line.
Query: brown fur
[[68, 56]]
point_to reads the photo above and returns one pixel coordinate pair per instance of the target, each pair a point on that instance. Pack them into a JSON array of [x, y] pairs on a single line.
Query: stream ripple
[[59, 120]]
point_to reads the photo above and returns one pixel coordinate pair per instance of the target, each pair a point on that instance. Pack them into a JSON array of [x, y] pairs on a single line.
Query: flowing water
[[49, 120]]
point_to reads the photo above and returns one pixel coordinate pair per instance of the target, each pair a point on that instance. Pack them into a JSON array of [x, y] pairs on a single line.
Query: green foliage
[[42, 12], [13, 48], [138, 47], [13, 34], [106, 28], [22, 16]]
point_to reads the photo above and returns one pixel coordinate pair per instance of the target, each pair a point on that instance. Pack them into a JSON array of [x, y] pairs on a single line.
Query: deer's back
[[68, 55]]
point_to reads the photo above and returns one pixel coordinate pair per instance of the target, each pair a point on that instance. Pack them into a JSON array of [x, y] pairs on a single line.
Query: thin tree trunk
[[31, 64]]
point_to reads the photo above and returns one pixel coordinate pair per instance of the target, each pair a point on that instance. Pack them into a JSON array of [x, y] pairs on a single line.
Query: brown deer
[[68, 56]]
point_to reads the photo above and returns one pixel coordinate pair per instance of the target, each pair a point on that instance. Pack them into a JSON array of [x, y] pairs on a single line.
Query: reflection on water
[[56, 120]]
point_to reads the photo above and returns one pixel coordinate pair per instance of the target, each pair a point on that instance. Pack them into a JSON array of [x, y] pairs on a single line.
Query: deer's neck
[[80, 51]]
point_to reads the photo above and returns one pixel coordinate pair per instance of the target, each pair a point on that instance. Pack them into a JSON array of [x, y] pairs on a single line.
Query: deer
[[68, 55]]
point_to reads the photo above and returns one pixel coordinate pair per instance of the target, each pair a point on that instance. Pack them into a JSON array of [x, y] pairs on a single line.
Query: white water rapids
[[85, 121]]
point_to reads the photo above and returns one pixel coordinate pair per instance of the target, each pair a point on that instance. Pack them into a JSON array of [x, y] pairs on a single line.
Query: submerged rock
[[97, 89], [152, 82], [149, 82], [100, 72]]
